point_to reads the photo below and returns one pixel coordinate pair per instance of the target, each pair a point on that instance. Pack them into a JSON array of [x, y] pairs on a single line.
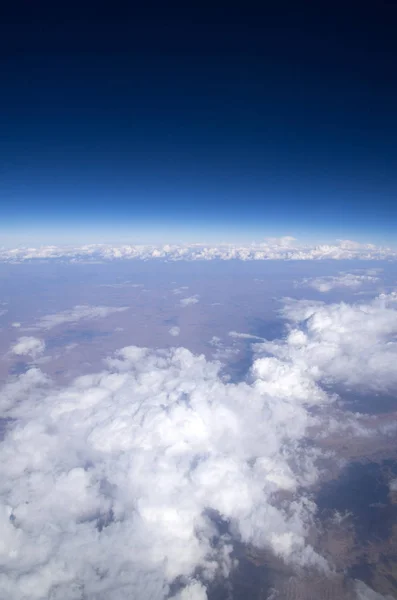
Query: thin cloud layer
[[115, 486], [244, 336], [343, 280], [285, 248], [78, 313], [364, 592]]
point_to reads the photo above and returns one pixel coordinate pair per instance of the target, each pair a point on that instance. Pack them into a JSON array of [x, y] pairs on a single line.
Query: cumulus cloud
[[284, 248], [343, 280], [174, 331], [28, 346], [190, 300], [115, 485], [78, 313], [344, 344]]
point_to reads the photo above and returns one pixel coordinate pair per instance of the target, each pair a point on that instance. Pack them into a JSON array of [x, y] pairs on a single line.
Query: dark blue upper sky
[[198, 123]]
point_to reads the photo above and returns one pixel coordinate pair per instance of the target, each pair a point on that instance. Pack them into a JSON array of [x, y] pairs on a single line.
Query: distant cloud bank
[[271, 249]]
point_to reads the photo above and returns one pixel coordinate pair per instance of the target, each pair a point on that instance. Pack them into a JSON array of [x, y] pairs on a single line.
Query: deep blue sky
[[198, 124]]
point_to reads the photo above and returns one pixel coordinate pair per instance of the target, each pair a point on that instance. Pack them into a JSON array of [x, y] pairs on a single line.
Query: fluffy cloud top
[[343, 280], [28, 346], [78, 313], [116, 484], [285, 248], [352, 345]]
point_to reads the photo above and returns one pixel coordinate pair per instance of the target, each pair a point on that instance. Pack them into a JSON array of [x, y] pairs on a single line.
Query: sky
[[189, 124]]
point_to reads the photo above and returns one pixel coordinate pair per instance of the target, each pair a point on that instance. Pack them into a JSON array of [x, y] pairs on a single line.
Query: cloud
[[28, 346], [343, 280], [339, 344], [78, 313], [393, 485], [16, 324], [247, 336], [222, 351], [363, 592], [285, 241], [180, 290], [190, 300], [174, 331], [284, 248], [194, 591], [115, 485], [124, 284]]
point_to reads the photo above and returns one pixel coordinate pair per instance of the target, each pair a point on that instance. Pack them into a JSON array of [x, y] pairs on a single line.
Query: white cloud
[[247, 336], [285, 248], [180, 290], [28, 346], [109, 484], [174, 331], [393, 485], [194, 591], [348, 344], [343, 280], [190, 300], [16, 325], [222, 351], [18, 389], [78, 313]]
